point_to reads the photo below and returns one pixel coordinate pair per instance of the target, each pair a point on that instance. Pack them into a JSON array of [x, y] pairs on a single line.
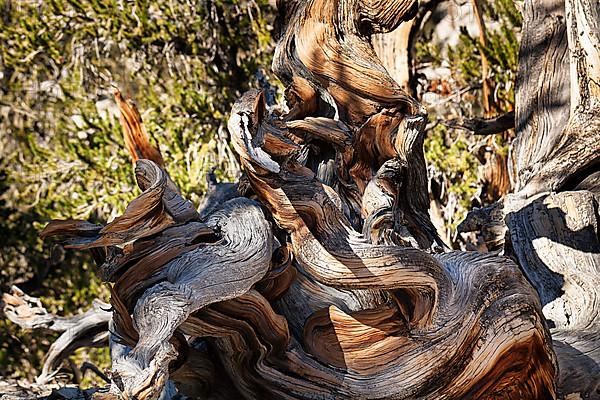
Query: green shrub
[[61, 145]]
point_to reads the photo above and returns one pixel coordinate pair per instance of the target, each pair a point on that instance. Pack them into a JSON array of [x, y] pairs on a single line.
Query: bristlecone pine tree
[[320, 275]]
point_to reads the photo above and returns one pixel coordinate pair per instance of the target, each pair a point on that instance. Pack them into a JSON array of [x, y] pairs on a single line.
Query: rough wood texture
[[542, 92], [554, 236], [165, 265], [396, 48], [350, 304], [331, 281], [556, 122], [394, 51], [89, 329], [427, 295]]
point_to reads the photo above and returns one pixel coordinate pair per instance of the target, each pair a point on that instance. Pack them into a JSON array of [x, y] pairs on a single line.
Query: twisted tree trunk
[[552, 218], [321, 276]]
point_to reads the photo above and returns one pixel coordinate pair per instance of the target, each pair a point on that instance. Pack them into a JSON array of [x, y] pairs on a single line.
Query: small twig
[[88, 366], [482, 126]]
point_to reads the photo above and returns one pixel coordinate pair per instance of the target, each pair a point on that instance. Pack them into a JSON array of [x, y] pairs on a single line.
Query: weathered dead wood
[[557, 123], [330, 254], [137, 140], [169, 271], [349, 294], [396, 48], [554, 236], [394, 51], [489, 222], [89, 329], [542, 95]]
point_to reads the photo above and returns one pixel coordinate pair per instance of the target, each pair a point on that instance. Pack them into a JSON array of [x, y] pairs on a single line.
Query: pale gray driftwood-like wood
[[89, 329]]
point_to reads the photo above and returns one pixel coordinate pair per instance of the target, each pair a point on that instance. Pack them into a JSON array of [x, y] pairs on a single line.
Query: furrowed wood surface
[[170, 274], [554, 236], [542, 92], [421, 287], [332, 283], [557, 128]]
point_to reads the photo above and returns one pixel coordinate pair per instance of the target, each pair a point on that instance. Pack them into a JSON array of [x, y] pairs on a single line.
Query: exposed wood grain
[[394, 51], [332, 283], [555, 238], [137, 140], [330, 254], [202, 275], [89, 329], [557, 129], [542, 92]]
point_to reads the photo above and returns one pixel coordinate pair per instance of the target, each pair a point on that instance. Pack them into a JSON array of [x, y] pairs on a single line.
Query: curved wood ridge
[[350, 294], [137, 140], [554, 236], [89, 329], [430, 312], [165, 264], [326, 47]]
